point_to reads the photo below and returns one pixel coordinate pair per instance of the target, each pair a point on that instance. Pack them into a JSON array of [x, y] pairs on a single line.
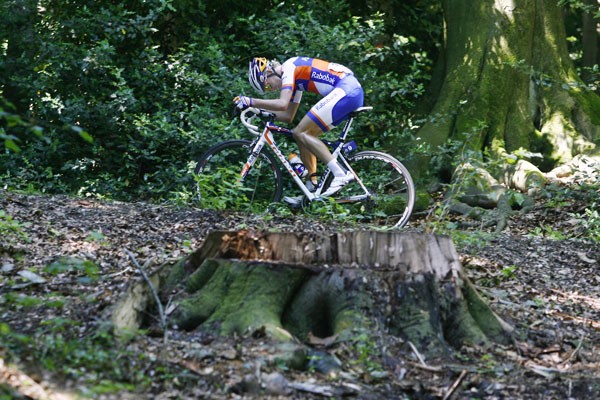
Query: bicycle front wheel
[[219, 182], [391, 189]]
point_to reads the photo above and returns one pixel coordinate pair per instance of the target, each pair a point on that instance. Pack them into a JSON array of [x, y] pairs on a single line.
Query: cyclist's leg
[[330, 111], [307, 135]]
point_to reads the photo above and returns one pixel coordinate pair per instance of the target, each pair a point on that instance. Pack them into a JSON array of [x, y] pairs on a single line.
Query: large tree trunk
[[17, 19], [508, 84], [309, 286], [590, 32]]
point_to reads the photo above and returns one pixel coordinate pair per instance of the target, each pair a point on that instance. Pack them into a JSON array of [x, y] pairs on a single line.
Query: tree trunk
[[17, 19], [319, 285], [508, 84], [589, 36]]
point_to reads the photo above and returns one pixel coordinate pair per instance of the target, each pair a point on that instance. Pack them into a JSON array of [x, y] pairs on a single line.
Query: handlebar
[[250, 113]]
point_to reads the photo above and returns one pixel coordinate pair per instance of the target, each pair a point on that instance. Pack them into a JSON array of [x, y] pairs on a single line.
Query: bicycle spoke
[[390, 190]]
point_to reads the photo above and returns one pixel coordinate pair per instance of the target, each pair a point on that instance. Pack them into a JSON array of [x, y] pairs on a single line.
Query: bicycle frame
[[266, 137]]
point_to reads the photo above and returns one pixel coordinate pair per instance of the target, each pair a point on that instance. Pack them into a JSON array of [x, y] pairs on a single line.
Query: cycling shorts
[[332, 109]]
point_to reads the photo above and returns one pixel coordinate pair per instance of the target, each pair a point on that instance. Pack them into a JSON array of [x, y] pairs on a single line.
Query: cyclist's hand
[[242, 102]]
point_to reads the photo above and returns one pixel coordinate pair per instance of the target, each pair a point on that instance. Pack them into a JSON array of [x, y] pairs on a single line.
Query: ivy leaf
[[84, 135], [70, 264]]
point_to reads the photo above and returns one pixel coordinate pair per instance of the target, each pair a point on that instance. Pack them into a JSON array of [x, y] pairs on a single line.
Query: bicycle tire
[[217, 176], [391, 186]]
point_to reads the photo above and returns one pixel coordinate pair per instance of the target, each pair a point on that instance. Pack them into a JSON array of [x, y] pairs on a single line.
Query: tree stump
[[322, 285]]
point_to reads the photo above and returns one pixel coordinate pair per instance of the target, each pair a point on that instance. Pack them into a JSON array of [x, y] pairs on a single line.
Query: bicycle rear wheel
[[219, 183], [392, 191]]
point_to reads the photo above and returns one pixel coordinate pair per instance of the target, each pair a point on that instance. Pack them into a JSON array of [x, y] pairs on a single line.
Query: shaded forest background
[[112, 99]]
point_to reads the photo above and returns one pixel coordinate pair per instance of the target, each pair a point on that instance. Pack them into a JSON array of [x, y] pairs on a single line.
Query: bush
[[126, 94]]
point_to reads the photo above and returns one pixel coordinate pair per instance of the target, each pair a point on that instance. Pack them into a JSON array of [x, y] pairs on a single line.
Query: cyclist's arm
[[283, 107], [289, 114]]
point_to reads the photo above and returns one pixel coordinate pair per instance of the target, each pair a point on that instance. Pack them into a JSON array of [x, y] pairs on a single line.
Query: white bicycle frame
[[266, 137]]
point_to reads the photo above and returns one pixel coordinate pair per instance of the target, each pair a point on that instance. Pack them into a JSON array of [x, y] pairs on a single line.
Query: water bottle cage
[[347, 148]]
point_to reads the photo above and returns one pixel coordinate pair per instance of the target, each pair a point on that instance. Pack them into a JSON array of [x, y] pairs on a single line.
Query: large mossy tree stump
[[307, 285]]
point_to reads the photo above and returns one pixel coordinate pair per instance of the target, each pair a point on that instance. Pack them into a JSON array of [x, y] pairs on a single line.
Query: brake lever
[[268, 115]]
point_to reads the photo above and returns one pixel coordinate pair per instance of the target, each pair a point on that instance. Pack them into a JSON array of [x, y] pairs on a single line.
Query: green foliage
[[222, 190], [547, 231], [73, 265], [97, 237], [505, 274], [562, 197], [49, 300], [327, 209], [590, 219], [113, 99], [463, 166], [580, 5], [574, 11], [471, 240], [11, 230], [98, 361], [366, 353]]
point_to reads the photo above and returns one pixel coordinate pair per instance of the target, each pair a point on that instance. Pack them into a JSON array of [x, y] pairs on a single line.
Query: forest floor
[[58, 280]]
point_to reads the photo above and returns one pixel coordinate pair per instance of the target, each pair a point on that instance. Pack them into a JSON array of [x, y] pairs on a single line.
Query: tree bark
[[589, 36], [309, 286], [508, 84], [17, 19]]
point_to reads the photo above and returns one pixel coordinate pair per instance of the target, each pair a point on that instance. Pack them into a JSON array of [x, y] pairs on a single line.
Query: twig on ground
[[574, 351], [426, 367], [126, 270], [161, 313], [417, 354], [456, 383]]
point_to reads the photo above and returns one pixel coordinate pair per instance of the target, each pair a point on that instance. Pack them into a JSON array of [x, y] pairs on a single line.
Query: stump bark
[[323, 286]]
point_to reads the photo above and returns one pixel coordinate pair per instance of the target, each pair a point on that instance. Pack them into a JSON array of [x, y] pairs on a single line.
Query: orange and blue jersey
[[341, 91], [312, 74]]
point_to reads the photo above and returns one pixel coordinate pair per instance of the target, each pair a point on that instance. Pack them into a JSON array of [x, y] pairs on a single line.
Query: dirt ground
[[539, 275]]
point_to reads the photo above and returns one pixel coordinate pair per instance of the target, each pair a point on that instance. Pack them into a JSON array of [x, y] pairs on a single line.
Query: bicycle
[[241, 172]]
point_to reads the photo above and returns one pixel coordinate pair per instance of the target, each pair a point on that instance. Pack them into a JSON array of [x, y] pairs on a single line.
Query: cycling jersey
[[341, 90]]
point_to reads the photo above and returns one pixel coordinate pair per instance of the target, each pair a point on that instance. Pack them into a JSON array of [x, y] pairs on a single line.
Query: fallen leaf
[[31, 276], [583, 257]]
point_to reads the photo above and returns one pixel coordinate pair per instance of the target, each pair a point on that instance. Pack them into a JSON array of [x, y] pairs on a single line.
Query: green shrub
[[125, 94], [11, 230]]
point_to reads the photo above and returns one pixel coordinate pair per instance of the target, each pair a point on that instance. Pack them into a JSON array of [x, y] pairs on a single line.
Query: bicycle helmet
[[257, 73]]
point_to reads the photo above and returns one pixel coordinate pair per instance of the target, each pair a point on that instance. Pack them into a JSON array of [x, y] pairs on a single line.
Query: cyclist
[[342, 94]]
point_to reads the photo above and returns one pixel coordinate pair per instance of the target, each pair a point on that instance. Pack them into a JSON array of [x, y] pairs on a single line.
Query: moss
[[326, 306], [486, 320], [422, 200], [392, 205], [416, 316], [590, 105], [241, 301], [433, 315], [202, 275], [289, 355], [198, 307], [175, 276], [460, 327]]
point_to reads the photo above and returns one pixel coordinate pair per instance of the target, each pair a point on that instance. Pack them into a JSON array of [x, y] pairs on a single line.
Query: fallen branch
[[417, 354], [456, 383], [574, 352], [161, 313], [426, 367]]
